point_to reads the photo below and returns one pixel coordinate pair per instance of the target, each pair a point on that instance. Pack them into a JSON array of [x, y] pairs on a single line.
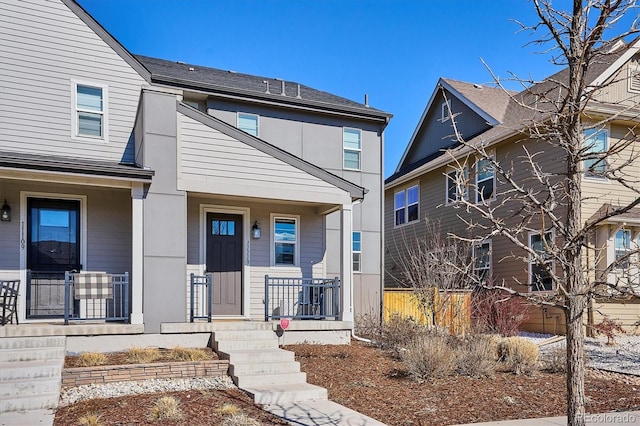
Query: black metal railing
[[111, 306], [201, 297], [301, 298], [45, 294]]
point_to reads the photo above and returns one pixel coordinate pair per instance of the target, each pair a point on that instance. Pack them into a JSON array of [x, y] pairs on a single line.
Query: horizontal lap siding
[[44, 48]]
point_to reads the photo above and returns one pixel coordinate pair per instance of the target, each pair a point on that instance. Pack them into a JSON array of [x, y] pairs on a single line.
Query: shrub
[[143, 355], [476, 356], [187, 354], [91, 359], [609, 328], [91, 419], [398, 332], [166, 408], [240, 419], [556, 360], [519, 355], [496, 311], [429, 356]]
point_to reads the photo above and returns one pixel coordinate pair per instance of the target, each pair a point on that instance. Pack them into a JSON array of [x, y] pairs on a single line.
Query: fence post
[[66, 297], [336, 290], [209, 278], [192, 286], [266, 297], [126, 307]]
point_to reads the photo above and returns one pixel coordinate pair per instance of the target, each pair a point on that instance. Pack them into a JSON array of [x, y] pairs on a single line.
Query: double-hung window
[[356, 249], [595, 142], [456, 185], [482, 260], [285, 241], [90, 107], [351, 148], [485, 180], [539, 271], [406, 205], [622, 245], [248, 123], [445, 110]]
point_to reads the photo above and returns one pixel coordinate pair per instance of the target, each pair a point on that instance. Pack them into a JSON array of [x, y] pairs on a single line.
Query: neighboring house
[[117, 163], [428, 182]]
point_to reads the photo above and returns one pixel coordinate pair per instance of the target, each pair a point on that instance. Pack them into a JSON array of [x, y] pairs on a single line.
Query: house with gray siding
[[437, 172], [212, 194]]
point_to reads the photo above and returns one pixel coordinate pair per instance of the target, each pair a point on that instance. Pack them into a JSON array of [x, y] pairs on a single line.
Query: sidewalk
[[604, 419]]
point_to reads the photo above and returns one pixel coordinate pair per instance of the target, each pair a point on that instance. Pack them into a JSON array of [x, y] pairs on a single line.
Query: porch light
[[5, 212], [255, 230]]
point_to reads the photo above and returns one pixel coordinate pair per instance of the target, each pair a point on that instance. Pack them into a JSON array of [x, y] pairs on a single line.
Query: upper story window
[[248, 123], [285, 241], [352, 148], [406, 205], [540, 278], [485, 180], [457, 185], [482, 260], [445, 110], [595, 142], [90, 111], [356, 249]]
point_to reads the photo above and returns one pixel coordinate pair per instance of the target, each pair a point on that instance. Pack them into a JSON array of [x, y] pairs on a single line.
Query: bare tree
[[558, 116], [435, 267]]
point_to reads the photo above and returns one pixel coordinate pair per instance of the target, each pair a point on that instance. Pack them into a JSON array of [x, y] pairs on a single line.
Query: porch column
[[346, 262], [137, 254]]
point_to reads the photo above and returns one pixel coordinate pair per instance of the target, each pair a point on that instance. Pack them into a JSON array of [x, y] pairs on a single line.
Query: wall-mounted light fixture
[[255, 230], [5, 212]]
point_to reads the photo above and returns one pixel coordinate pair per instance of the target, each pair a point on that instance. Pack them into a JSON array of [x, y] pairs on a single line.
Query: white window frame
[[489, 261], [532, 287], [479, 200], [356, 150], [75, 122], [355, 252], [445, 110], [462, 189], [625, 265], [633, 75], [252, 116], [405, 207], [296, 250], [585, 174]]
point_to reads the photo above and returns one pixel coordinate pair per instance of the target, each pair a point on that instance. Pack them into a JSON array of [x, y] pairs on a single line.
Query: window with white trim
[[482, 260], [90, 107], [356, 249], [248, 123], [285, 241], [539, 275], [485, 180], [456, 185], [596, 145], [351, 148], [406, 204], [445, 110], [622, 248], [634, 76]]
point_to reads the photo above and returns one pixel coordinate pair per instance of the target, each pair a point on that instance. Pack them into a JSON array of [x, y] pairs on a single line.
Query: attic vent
[[634, 77], [180, 62], [478, 86], [232, 72], [191, 69], [267, 83]]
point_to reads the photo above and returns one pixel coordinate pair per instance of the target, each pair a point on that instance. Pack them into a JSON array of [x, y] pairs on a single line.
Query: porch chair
[[9, 301]]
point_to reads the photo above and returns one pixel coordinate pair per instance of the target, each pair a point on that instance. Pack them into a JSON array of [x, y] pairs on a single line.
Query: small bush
[[240, 419], [143, 355], [91, 419], [397, 332], [520, 355], [187, 354], [429, 356], [228, 410], [166, 408], [476, 356], [496, 311], [91, 359], [556, 360], [609, 328]]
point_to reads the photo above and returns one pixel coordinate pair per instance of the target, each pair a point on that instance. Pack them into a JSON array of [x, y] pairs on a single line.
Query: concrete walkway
[[28, 418], [320, 413], [605, 419]]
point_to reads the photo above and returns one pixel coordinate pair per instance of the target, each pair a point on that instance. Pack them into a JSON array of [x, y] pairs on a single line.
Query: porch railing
[[301, 298], [107, 300], [201, 297]]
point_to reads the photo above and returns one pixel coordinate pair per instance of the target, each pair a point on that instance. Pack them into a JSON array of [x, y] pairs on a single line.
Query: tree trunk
[[575, 361]]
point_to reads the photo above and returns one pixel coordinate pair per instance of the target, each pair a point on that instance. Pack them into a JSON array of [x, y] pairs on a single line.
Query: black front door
[[224, 262], [53, 247]]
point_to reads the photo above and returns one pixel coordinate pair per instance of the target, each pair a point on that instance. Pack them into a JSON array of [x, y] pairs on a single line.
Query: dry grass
[[556, 361], [91, 419], [187, 354], [91, 359], [477, 356], [228, 410], [143, 355], [165, 408], [428, 357], [240, 419], [520, 355]]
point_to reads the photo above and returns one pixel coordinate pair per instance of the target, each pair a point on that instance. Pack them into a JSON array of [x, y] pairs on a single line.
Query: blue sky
[[392, 50]]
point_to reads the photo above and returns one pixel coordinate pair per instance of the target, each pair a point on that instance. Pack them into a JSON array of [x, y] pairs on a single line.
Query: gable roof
[[356, 192], [517, 116]]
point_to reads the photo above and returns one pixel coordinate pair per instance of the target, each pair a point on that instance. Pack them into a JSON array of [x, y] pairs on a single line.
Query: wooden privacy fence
[[453, 308]]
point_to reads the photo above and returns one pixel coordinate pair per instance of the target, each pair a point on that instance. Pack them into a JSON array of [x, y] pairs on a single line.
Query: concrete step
[[35, 402], [280, 394], [30, 370], [241, 325], [249, 380], [237, 369], [227, 345], [29, 387], [244, 356], [32, 354], [244, 335], [32, 342]]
